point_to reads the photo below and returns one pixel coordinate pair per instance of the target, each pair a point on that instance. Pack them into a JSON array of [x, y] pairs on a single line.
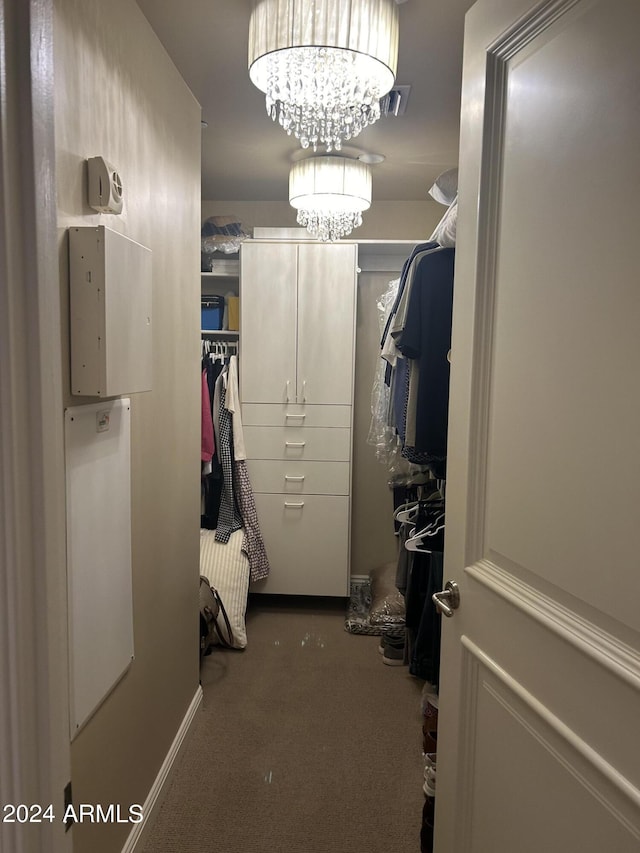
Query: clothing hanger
[[416, 541], [429, 529], [406, 512]]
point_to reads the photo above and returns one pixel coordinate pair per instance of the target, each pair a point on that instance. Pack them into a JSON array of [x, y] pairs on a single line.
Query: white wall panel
[[98, 474]]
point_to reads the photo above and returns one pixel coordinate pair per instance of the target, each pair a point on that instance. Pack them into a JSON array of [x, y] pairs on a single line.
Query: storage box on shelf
[[220, 303]]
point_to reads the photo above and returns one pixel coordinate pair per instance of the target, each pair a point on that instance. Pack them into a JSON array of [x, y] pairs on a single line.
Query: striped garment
[[226, 567]]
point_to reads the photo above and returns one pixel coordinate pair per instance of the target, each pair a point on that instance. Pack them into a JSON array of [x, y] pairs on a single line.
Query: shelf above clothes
[[220, 274], [223, 268]]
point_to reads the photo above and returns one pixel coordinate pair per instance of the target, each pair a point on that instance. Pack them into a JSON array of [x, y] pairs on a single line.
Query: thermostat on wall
[[104, 186]]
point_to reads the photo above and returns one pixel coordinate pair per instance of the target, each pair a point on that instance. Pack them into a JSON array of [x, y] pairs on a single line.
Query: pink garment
[[208, 445]]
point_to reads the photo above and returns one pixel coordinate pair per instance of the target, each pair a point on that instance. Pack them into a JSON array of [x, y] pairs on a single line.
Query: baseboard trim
[[156, 794]]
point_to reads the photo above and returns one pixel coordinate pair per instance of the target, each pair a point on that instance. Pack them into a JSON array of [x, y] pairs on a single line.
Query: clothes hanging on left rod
[[228, 503]]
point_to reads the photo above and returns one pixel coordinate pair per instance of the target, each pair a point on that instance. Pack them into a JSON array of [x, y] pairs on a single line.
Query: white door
[[326, 320], [268, 307], [538, 744]]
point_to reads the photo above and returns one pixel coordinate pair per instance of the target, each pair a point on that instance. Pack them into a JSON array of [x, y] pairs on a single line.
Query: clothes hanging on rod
[[381, 435], [422, 618], [229, 504], [207, 442], [214, 358], [416, 350], [403, 475], [418, 576], [253, 544], [229, 518], [416, 340]]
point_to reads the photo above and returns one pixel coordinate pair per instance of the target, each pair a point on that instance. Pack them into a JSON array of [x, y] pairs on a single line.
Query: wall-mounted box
[[110, 313]]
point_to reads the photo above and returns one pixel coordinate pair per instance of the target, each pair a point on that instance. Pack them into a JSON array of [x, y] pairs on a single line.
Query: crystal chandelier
[[323, 64], [330, 195]]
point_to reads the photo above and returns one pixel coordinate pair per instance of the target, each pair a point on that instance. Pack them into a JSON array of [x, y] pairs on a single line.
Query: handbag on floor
[[212, 613]]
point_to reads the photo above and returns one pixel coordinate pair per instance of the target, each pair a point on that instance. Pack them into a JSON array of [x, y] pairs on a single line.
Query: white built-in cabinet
[[297, 311]]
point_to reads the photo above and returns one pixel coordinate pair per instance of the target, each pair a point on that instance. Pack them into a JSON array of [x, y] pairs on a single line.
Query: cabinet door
[[326, 318], [307, 540], [268, 321]]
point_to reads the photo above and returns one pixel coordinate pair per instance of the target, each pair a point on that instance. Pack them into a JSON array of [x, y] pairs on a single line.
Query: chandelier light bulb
[[323, 68]]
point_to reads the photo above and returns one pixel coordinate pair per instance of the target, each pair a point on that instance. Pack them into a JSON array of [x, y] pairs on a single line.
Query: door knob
[[448, 599]]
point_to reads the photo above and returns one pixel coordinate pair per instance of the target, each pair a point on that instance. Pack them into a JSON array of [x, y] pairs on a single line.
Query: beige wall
[[118, 95]]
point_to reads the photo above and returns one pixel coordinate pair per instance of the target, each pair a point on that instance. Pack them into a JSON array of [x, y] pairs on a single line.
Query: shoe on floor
[[390, 640], [393, 655], [429, 760], [429, 786]]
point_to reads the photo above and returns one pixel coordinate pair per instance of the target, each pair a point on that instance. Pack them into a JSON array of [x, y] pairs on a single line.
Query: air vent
[[395, 102]]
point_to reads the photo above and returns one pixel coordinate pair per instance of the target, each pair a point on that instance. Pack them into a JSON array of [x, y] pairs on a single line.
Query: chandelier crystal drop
[[323, 64], [319, 96], [329, 227], [330, 195]]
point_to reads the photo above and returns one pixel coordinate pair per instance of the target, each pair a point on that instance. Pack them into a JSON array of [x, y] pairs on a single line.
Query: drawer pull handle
[[290, 505], [289, 478], [300, 417], [295, 443]]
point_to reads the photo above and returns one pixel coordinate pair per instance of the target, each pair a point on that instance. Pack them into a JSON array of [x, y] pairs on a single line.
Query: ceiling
[[245, 156]]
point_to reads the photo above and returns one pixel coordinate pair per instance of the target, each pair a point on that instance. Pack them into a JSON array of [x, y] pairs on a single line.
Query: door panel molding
[[468, 738], [499, 53], [604, 782], [529, 27], [608, 651]]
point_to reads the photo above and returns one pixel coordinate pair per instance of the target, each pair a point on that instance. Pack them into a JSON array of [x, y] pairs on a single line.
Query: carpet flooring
[[306, 743]]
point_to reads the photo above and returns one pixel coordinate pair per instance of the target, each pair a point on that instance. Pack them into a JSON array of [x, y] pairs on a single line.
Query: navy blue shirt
[[427, 338]]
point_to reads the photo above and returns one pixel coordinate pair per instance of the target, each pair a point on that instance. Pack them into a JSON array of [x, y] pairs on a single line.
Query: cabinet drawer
[[299, 478], [294, 414], [307, 542], [298, 443]]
